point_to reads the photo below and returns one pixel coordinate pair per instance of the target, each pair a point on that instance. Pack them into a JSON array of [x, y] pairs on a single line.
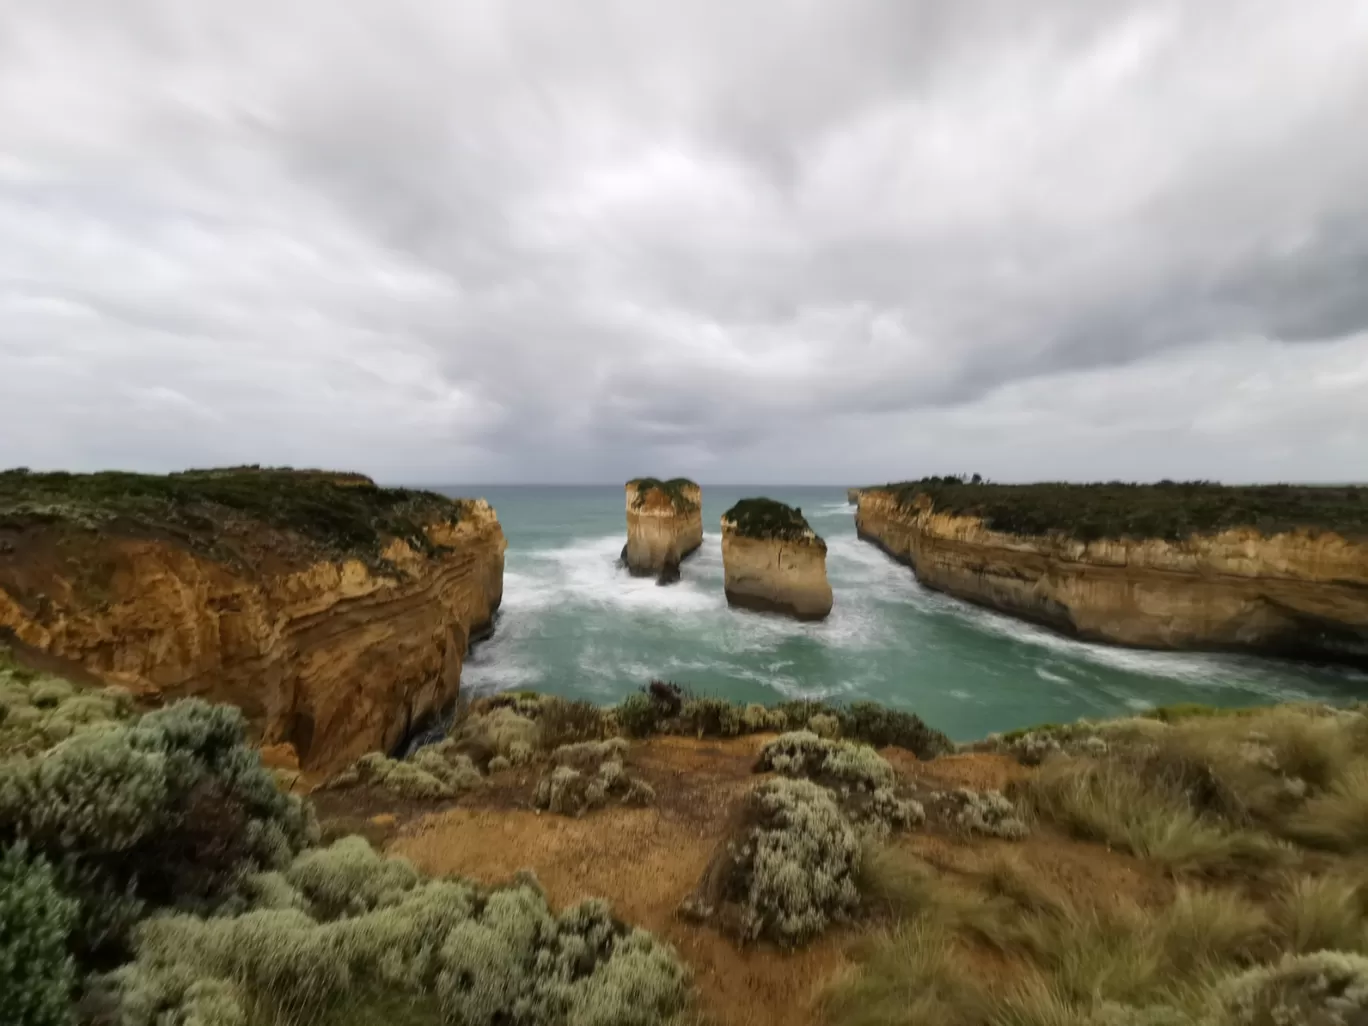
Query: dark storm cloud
[[786, 240]]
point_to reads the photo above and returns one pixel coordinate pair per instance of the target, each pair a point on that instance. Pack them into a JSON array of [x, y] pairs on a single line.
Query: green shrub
[[563, 722], [334, 513], [585, 776], [880, 726], [36, 972], [711, 717], [983, 812], [755, 718], [489, 957], [434, 771], [638, 715], [839, 764], [38, 711], [167, 811], [789, 871], [768, 518], [673, 489], [825, 725], [1173, 511], [1328, 988]]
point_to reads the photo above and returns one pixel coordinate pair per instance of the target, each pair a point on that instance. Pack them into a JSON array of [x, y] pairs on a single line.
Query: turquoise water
[[574, 624]]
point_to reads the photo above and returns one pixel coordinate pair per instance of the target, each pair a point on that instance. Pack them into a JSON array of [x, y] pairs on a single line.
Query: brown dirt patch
[[645, 861]]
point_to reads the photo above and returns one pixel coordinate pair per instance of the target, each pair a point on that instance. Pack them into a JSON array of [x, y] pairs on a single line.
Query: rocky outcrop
[[334, 649], [774, 562], [1296, 592], [664, 525], [853, 495]]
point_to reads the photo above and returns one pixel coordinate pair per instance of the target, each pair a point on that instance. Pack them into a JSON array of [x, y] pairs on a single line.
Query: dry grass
[[1251, 816], [1110, 803]]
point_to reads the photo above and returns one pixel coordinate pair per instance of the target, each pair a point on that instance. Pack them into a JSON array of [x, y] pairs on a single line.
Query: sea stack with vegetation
[[333, 613], [664, 525], [774, 561], [1280, 569]]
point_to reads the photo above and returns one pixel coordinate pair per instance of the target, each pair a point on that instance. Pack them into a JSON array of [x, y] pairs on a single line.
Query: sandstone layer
[[775, 571], [334, 655], [1297, 592], [664, 526]]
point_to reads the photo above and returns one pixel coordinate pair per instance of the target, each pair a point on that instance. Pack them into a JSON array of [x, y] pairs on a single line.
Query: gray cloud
[[779, 241]]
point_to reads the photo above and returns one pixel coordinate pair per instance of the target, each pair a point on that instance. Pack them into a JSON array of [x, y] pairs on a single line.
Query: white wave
[[1045, 674], [832, 509], [587, 572]]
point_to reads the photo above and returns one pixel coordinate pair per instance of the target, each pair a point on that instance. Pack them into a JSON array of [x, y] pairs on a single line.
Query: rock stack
[[774, 561], [664, 525]]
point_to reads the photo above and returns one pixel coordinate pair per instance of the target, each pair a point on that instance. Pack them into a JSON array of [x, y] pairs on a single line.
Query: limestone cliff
[[853, 495], [335, 614], [774, 561], [1299, 591], [664, 525]]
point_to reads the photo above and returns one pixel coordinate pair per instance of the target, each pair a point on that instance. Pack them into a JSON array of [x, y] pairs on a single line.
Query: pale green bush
[[790, 872], [841, 764], [757, 719], [586, 776], [589, 754], [172, 808], [804, 859], [434, 771], [38, 711], [490, 957], [502, 731], [1327, 988], [711, 717], [824, 725], [36, 973], [349, 878], [986, 812]]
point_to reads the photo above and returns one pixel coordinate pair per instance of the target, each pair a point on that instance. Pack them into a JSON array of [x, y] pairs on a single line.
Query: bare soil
[[645, 861]]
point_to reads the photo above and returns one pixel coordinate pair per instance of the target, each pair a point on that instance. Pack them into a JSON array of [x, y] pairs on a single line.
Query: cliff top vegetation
[[1187, 866], [333, 513], [674, 488], [1172, 510], [768, 518]]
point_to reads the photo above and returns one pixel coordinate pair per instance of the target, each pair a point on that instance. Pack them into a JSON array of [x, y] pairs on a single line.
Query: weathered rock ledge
[[773, 561], [1300, 592], [664, 525], [334, 649]]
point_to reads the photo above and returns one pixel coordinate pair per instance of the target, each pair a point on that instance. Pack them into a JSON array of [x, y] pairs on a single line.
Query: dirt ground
[[645, 861]]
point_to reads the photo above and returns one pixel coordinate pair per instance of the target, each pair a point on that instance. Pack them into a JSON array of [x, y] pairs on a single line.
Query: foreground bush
[[167, 811], [586, 776], [36, 974], [788, 872], [435, 771], [665, 708], [344, 924], [1328, 988], [37, 711]]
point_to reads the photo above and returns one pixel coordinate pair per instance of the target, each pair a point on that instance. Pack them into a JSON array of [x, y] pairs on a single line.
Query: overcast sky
[[763, 241]]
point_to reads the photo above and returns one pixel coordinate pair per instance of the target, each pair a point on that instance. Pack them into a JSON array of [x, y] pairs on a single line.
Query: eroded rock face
[[781, 572], [664, 525], [1296, 593], [332, 657]]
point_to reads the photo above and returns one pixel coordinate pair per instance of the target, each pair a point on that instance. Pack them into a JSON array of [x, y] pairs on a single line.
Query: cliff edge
[[1279, 569], [664, 525], [774, 561], [334, 613]]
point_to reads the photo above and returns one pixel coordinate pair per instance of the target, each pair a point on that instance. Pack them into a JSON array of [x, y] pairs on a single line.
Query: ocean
[[574, 624]]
